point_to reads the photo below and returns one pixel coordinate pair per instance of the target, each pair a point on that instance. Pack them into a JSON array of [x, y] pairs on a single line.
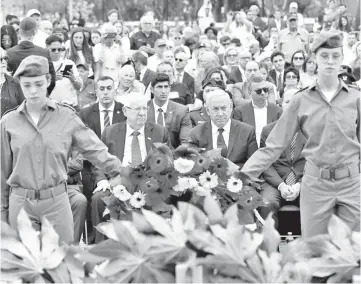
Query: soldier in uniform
[[199, 114], [328, 115], [37, 140]]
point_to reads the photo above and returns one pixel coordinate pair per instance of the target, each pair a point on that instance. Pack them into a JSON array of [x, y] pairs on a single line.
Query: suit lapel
[[208, 134], [169, 114], [269, 113], [251, 115], [148, 136], [151, 114], [204, 114], [96, 119], [122, 131], [118, 113], [232, 136]]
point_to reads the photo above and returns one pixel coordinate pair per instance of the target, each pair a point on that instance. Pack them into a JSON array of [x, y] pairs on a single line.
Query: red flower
[[219, 166]]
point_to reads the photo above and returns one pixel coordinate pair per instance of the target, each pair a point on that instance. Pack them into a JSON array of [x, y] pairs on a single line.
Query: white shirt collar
[[111, 108], [254, 106], [130, 131], [143, 72], [227, 127], [164, 107]]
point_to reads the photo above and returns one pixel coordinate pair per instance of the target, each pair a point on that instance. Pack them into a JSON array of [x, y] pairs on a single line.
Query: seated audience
[[127, 84]]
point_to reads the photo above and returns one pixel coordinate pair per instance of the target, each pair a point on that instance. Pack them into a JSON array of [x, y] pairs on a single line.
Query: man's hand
[[146, 49], [296, 192], [58, 76], [285, 190], [70, 76], [102, 185], [117, 180]]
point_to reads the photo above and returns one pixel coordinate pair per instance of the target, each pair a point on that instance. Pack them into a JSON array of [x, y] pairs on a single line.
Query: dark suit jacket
[[114, 138], [177, 122], [148, 77], [24, 49], [91, 118], [242, 141], [199, 116], [245, 113], [272, 77], [235, 75], [188, 80], [279, 170]]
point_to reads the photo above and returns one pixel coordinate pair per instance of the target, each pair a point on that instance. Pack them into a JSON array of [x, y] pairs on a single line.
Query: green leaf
[[141, 223], [212, 209], [193, 217], [231, 215], [7, 231], [60, 274], [107, 249], [75, 268]]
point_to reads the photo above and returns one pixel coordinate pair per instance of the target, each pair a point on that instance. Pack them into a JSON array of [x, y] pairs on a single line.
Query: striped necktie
[[160, 119], [291, 178], [106, 118], [136, 154]]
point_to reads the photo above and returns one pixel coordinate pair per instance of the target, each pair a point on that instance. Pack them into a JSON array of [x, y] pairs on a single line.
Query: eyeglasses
[[139, 109], [57, 49], [179, 59], [262, 90], [291, 77], [298, 58], [232, 55], [5, 58], [216, 110], [177, 38], [226, 43]]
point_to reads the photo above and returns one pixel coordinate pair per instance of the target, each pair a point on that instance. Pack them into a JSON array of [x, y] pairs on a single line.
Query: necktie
[[136, 155], [220, 139], [279, 82], [160, 119], [106, 118], [291, 178], [179, 77]]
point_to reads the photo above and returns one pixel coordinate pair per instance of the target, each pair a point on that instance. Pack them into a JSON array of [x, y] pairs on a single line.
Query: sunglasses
[[178, 59], [177, 38], [291, 77], [264, 90], [57, 49], [5, 58], [298, 58], [232, 55]]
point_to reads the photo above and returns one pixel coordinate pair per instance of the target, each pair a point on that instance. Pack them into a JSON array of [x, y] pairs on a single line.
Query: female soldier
[[37, 139]]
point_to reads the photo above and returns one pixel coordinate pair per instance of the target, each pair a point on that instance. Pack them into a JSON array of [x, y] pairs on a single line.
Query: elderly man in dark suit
[[237, 139], [258, 112], [130, 141], [97, 117], [283, 177], [181, 76], [27, 29], [144, 75], [171, 115]]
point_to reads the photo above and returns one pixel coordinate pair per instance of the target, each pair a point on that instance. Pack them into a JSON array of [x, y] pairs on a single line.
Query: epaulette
[[196, 109], [10, 110], [66, 105]]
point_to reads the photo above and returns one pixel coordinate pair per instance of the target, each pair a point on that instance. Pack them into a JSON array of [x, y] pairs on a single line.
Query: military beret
[[33, 12], [327, 39], [28, 24], [348, 78], [112, 11], [292, 16], [32, 66]]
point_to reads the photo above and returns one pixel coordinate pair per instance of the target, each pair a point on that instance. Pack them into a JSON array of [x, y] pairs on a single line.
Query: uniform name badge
[[173, 95]]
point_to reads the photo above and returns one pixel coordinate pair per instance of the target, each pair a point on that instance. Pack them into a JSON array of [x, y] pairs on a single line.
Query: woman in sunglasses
[[291, 79], [68, 81], [297, 60], [11, 93], [230, 58]]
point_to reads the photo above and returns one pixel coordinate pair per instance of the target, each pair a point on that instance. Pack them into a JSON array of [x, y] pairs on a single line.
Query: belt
[[335, 174], [40, 194]]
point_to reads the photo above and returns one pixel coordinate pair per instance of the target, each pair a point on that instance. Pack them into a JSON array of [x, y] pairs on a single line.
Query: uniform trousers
[[320, 198], [79, 205], [55, 209]]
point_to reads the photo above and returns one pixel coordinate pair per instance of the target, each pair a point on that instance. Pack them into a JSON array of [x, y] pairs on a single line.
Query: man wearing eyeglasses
[[130, 141], [67, 84], [258, 112], [236, 139], [181, 61]]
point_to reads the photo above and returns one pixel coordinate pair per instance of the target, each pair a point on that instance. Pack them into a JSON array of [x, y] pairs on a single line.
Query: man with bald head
[[206, 61], [130, 141], [237, 139], [237, 73], [46, 27]]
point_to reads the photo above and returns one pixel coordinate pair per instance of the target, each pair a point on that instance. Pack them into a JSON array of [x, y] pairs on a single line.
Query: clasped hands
[[105, 184], [289, 192]]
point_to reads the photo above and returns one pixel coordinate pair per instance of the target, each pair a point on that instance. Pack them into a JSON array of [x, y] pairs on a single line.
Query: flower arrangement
[[152, 249], [186, 174]]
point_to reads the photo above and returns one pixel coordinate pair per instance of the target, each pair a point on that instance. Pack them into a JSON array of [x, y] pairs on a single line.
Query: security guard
[[37, 139], [200, 115], [328, 115]]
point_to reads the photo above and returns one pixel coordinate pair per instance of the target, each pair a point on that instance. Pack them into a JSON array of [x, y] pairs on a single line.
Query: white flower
[[182, 185], [193, 183], [234, 185], [208, 180], [201, 191], [137, 200], [183, 165], [121, 193]]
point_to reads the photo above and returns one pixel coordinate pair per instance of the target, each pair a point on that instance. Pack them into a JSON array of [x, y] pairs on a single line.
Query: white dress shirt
[[260, 119], [153, 62], [102, 113], [164, 108], [180, 77], [244, 78], [142, 73], [128, 145], [226, 132], [40, 38]]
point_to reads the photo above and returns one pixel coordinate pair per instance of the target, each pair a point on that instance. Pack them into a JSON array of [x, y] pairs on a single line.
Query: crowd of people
[[77, 104]]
